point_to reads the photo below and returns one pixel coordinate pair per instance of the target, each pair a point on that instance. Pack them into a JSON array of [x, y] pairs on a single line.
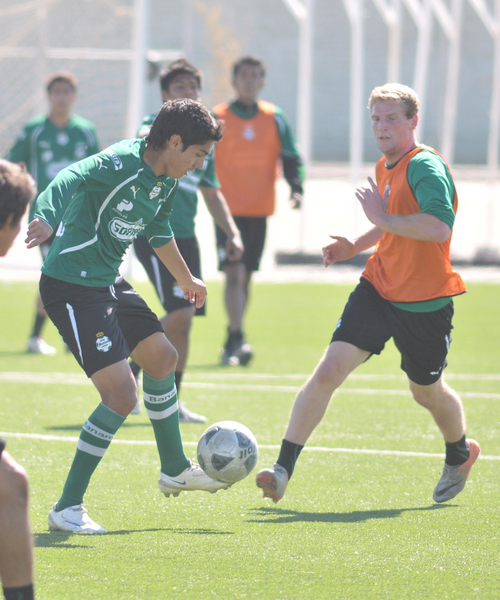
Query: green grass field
[[358, 520]]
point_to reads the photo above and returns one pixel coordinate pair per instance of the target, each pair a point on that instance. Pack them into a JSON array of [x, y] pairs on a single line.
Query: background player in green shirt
[[180, 79], [47, 144], [17, 188], [101, 204]]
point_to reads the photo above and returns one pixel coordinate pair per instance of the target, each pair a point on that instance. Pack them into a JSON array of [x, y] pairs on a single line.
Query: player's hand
[[195, 291], [341, 249], [374, 205], [295, 201], [234, 249], [38, 232]]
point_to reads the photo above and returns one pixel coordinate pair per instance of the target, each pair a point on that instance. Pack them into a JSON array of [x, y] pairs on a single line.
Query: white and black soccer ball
[[227, 451]]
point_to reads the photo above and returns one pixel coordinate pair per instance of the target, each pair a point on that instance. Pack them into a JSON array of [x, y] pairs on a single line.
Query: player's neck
[[394, 157], [60, 120]]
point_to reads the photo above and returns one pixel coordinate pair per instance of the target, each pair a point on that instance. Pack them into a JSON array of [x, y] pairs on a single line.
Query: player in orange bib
[[256, 140], [405, 292]]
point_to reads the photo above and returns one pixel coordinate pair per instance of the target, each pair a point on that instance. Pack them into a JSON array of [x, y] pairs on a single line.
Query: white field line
[[74, 439], [81, 379]]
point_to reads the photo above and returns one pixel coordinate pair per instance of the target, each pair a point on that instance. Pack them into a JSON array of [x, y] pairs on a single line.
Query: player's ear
[[175, 142]]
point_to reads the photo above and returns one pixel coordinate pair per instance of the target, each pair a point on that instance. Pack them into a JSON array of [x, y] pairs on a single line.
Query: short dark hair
[[17, 189], [61, 76], [253, 61], [187, 118], [178, 67]]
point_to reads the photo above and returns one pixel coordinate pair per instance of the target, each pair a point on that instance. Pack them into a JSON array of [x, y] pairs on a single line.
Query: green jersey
[[46, 149], [183, 216], [101, 204]]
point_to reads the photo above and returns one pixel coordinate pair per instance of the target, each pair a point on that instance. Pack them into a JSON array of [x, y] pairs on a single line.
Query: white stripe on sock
[[90, 449], [162, 414]]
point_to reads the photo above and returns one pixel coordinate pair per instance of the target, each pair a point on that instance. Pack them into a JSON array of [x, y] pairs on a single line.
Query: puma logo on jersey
[[101, 164], [125, 205], [134, 191]]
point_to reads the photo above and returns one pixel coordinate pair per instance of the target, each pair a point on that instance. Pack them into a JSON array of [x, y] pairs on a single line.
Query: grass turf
[[353, 524]]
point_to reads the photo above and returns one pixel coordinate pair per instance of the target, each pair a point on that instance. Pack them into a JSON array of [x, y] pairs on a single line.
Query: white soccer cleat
[[37, 345], [74, 519], [453, 479], [273, 482], [188, 416], [137, 408], [191, 479]]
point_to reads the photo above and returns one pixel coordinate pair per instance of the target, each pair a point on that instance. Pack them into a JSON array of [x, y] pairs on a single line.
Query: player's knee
[[423, 395], [14, 487]]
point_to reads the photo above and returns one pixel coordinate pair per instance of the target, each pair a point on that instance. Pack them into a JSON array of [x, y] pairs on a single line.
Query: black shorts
[[253, 236], [169, 293], [100, 325], [423, 339]]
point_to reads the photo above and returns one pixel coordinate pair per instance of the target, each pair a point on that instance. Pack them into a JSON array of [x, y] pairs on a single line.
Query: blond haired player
[[405, 292]]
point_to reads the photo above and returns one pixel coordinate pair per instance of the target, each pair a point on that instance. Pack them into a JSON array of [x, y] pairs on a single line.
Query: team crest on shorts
[[103, 343]]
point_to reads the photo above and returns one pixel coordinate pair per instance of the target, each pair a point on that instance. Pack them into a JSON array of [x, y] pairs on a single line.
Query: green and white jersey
[[183, 216], [46, 149], [102, 203]]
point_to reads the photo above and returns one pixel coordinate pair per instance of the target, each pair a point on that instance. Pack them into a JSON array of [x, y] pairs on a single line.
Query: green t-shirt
[[183, 215], [45, 149], [102, 203], [432, 184]]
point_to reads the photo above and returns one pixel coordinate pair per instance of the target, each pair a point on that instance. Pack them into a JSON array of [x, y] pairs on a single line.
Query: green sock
[[162, 407], [97, 434]]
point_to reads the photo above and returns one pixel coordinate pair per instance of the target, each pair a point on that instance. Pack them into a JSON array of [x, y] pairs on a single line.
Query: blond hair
[[402, 94]]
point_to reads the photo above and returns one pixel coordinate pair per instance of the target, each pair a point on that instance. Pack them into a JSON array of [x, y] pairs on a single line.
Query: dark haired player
[[47, 144], [17, 188], [102, 203], [257, 138], [180, 79]]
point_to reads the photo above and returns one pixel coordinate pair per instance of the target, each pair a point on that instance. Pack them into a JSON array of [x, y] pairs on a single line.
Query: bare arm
[[194, 289], [38, 232], [343, 248], [418, 226], [219, 210]]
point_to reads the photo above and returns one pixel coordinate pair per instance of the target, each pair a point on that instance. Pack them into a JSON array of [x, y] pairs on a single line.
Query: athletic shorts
[[170, 294], [100, 325], [3, 443], [423, 339], [253, 236]]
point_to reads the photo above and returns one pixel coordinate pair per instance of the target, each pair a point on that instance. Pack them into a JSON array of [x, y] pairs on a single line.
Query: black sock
[[37, 327], [457, 452], [135, 368], [178, 378], [289, 454], [19, 593], [234, 338]]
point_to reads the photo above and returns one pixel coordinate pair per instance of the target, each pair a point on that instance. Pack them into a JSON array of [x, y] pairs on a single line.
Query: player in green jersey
[[17, 188], [47, 144], [101, 204], [180, 79]]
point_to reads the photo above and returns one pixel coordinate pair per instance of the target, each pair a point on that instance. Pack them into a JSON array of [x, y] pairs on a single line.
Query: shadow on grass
[[58, 539], [357, 516]]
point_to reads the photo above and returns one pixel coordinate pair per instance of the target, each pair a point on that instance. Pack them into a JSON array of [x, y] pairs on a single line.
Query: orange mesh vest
[[246, 160], [402, 269]]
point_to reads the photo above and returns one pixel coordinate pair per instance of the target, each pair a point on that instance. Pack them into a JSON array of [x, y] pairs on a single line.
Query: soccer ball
[[227, 451]]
